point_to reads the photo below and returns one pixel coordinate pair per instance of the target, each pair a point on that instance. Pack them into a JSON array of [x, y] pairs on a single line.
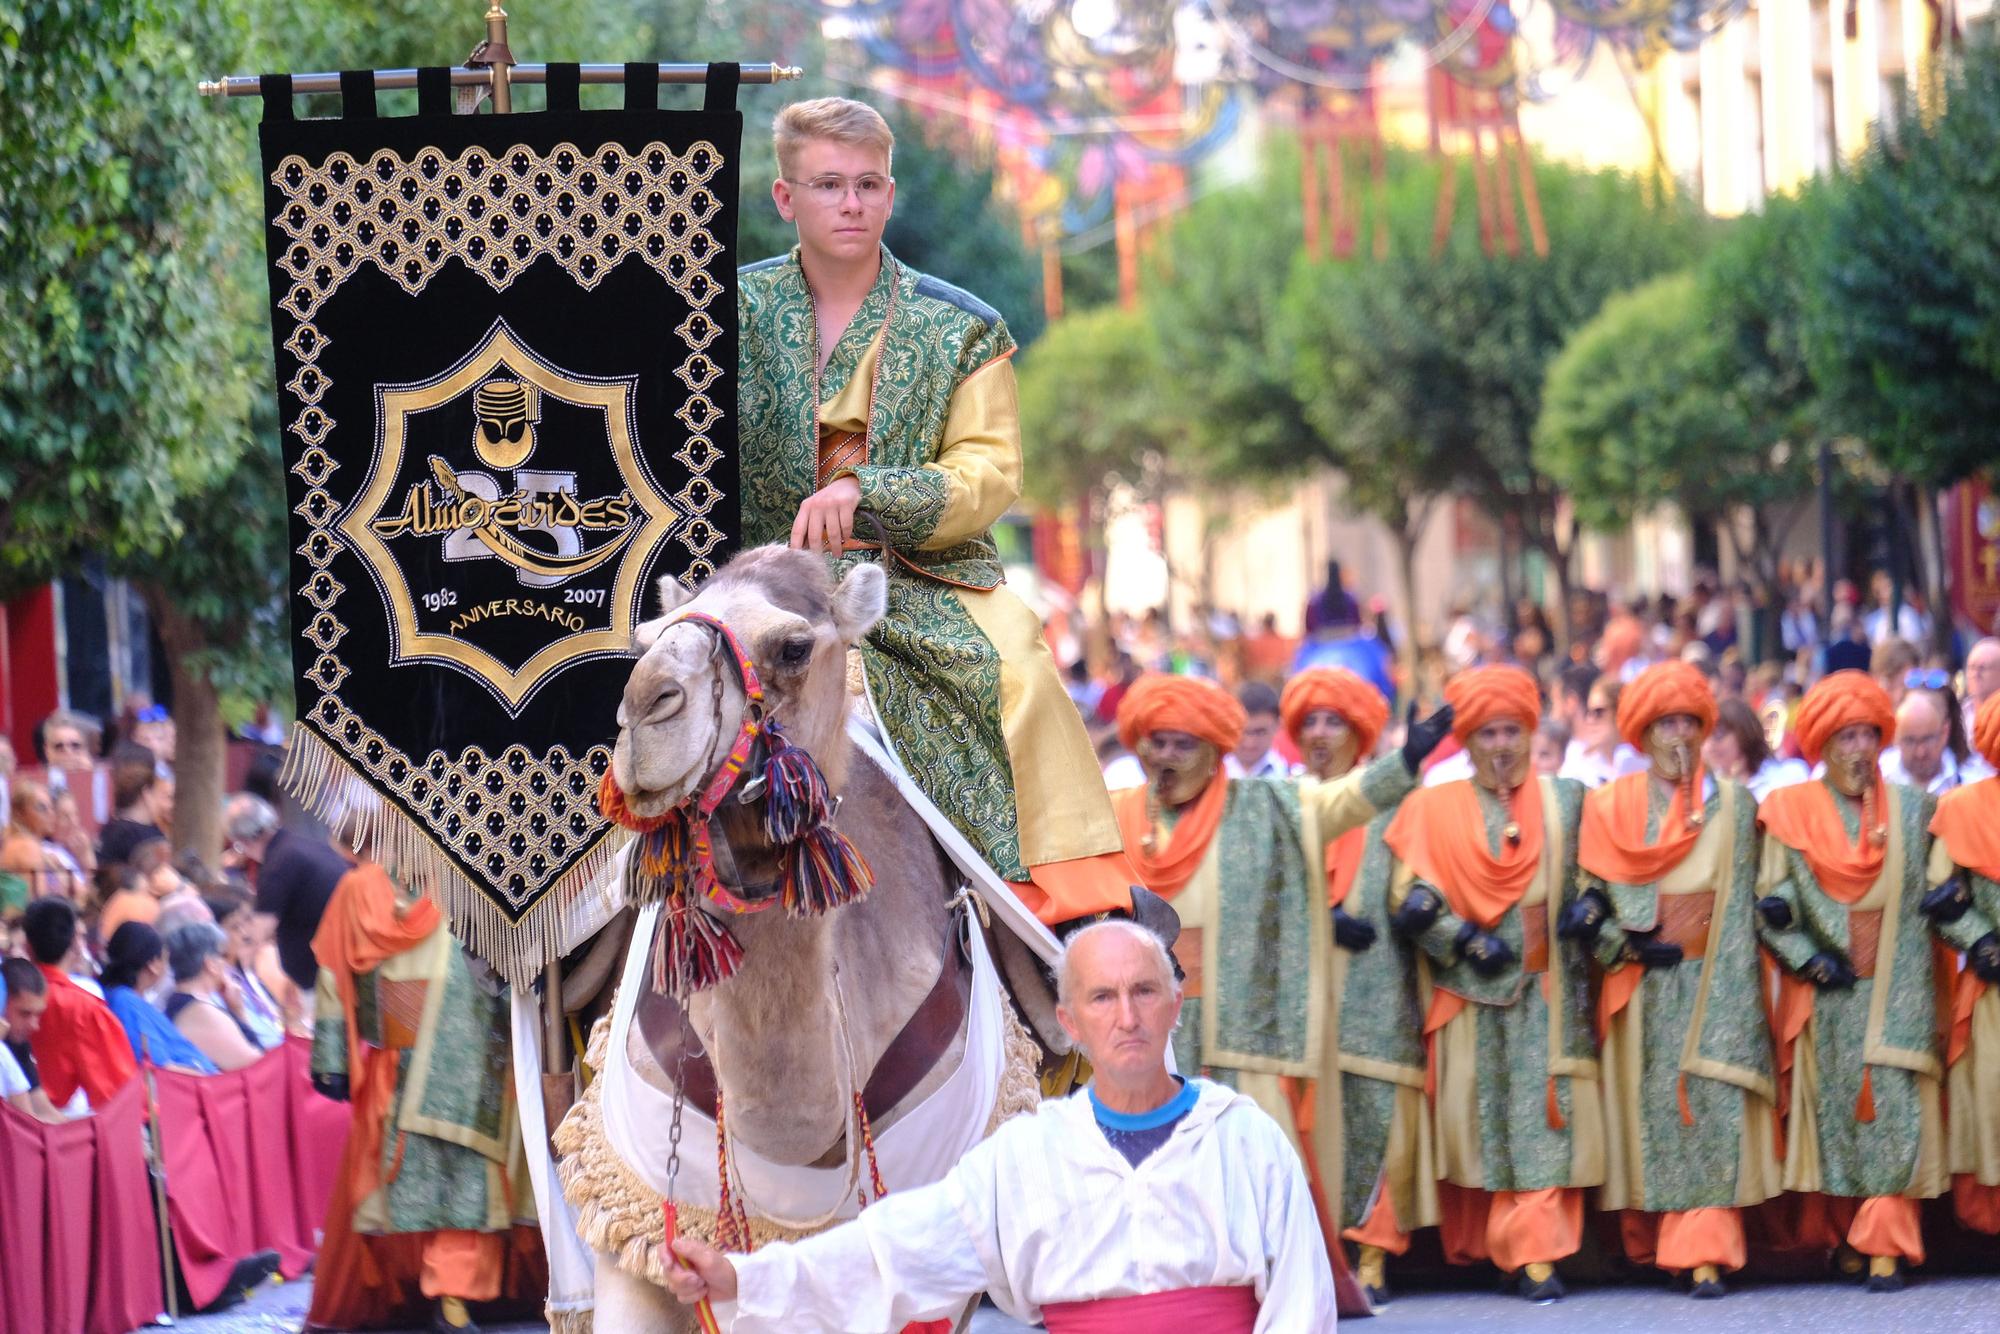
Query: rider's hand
[[1424, 735], [696, 1270], [826, 520]]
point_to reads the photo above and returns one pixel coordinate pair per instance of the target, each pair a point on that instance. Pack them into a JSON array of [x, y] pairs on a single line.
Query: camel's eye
[[795, 652]]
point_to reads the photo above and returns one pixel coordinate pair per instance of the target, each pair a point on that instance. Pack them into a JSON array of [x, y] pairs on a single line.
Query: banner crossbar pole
[[246, 85]]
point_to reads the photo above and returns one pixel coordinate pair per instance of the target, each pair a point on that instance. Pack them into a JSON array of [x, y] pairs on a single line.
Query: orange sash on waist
[[1440, 833], [1167, 870], [1612, 842], [1804, 818], [1343, 862]]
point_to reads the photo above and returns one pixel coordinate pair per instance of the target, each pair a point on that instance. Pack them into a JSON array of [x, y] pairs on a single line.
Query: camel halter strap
[[675, 860]]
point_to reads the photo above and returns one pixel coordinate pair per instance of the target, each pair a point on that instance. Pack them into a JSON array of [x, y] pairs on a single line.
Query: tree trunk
[[200, 739], [1558, 558], [1406, 536], [1932, 561]]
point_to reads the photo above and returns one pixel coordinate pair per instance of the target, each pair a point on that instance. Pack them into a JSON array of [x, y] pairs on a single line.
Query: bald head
[[1982, 674], [1115, 946], [1921, 731]]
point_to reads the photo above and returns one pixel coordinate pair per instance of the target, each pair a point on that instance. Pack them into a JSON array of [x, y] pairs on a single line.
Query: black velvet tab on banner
[[506, 385], [276, 90], [563, 80], [642, 86], [723, 76], [434, 91], [357, 94]]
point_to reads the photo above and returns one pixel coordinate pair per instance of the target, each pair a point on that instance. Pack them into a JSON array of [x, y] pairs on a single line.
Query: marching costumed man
[[1485, 868], [1242, 861], [867, 385], [1335, 718], [1670, 857], [430, 1176], [1844, 876], [1965, 907]]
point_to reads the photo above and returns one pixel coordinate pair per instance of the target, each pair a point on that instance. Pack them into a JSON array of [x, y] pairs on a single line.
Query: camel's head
[[683, 704]]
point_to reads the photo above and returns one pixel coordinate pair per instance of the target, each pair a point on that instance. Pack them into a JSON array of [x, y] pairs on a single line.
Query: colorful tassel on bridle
[[693, 952], [795, 795]]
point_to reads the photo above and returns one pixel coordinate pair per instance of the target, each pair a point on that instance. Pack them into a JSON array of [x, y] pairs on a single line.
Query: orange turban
[[1664, 689], [1986, 730], [1842, 700], [1342, 692], [1489, 695], [1161, 703]]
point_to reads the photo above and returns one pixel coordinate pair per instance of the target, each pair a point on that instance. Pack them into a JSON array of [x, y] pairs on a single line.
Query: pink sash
[[1211, 1310]]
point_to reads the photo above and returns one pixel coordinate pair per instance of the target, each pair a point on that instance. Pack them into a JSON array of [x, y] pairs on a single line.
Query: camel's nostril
[[665, 704]]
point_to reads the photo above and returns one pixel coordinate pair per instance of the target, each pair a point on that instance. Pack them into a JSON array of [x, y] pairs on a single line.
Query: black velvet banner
[[506, 370]]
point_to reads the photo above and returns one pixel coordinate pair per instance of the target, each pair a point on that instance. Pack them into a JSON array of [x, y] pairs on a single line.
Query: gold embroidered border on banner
[[497, 214]]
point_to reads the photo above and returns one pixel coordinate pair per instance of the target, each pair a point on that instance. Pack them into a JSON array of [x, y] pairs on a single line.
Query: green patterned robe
[[1725, 1066], [1973, 1081], [452, 1122], [934, 677], [1519, 1148], [1884, 1026]]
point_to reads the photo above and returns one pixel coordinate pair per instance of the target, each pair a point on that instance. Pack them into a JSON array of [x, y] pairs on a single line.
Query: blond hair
[[840, 119]]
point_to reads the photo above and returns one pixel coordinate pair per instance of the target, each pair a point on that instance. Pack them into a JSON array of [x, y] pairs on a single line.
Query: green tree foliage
[[1090, 405]]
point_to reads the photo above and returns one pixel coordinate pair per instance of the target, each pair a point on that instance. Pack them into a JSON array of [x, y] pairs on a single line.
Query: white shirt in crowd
[[1594, 770], [1271, 766], [1775, 773], [1450, 769], [13, 1079], [1951, 774], [1046, 1210], [1911, 626], [1124, 772]]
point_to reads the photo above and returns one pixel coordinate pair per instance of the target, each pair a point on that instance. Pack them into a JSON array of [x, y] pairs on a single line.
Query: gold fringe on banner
[[359, 816]]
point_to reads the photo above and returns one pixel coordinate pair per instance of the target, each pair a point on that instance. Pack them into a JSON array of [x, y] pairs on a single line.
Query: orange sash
[[1612, 842], [1968, 821], [1167, 871], [1343, 862], [1804, 818], [1440, 833]]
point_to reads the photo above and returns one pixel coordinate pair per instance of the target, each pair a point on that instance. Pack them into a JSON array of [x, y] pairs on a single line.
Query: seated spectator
[[262, 1012], [79, 1044], [1739, 750], [153, 728], [123, 896], [207, 1005], [1597, 755], [1253, 756], [180, 902], [23, 997], [135, 961], [1550, 747], [71, 837], [33, 863], [145, 804], [295, 875], [70, 745]]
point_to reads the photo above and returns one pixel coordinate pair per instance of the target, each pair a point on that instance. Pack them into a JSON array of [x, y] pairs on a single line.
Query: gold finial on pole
[[495, 54]]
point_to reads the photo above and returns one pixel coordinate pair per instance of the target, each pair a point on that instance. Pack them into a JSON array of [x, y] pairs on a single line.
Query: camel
[[818, 1001]]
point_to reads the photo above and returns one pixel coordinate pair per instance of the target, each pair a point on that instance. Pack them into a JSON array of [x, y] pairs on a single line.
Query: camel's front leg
[[626, 1303]]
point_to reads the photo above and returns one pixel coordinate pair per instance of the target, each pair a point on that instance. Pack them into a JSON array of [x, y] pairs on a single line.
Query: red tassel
[[1864, 1106], [824, 871], [1556, 1121], [796, 799], [1681, 1095], [693, 952]]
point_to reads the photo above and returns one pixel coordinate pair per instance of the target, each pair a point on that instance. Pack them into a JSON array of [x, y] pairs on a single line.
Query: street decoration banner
[[506, 382], [1972, 542]]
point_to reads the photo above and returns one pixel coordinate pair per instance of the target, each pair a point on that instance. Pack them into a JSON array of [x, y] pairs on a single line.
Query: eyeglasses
[[1934, 679], [871, 187]]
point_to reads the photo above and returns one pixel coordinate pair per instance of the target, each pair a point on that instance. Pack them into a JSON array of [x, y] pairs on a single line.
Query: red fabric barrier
[[81, 1252], [250, 1159]]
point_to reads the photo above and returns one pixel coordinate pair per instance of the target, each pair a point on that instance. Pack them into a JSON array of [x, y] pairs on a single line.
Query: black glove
[[1352, 933], [1948, 901], [1777, 913], [331, 1086], [1647, 950], [1421, 738], [1487, 953], [1584, 918], [1418, 912], [1984, 957], [1828, 971]]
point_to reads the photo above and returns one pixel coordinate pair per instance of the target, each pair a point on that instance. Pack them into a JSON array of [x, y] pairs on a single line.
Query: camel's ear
[[860, 601], [673, 594]]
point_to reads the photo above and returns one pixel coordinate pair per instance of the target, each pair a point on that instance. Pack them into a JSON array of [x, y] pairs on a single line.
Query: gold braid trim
[[1020, 1078], [570, 1322]]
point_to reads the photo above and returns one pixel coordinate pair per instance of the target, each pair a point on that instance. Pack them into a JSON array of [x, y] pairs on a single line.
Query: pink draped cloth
[[1230, 1310]]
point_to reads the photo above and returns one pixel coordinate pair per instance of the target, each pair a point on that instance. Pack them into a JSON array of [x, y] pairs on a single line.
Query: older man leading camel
[[1044, 1215]]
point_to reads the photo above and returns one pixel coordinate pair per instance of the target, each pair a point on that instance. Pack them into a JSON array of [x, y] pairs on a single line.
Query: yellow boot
[[1707, 1280], [1540, 1283], [1372, 1268]]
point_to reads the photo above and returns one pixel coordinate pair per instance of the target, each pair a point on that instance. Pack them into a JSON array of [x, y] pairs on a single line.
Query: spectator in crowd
[[145, 804], [1739, 750], [79, 1044], [68, 744], [1253, 756], [1333, 609], [135, 963], [294, 875], [1602, 756], [1909, 623], [1892, 664], [1569, 695], [1922, 756], [1798, 626], [123, 896], [1126, 672], [1267, 655], [71, 836], [7, 767], [1550, 748], [262, 1012], [1982, 677], [1083, 692], [38, 866], [206, 1005], [153, 728], [23, 996]]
